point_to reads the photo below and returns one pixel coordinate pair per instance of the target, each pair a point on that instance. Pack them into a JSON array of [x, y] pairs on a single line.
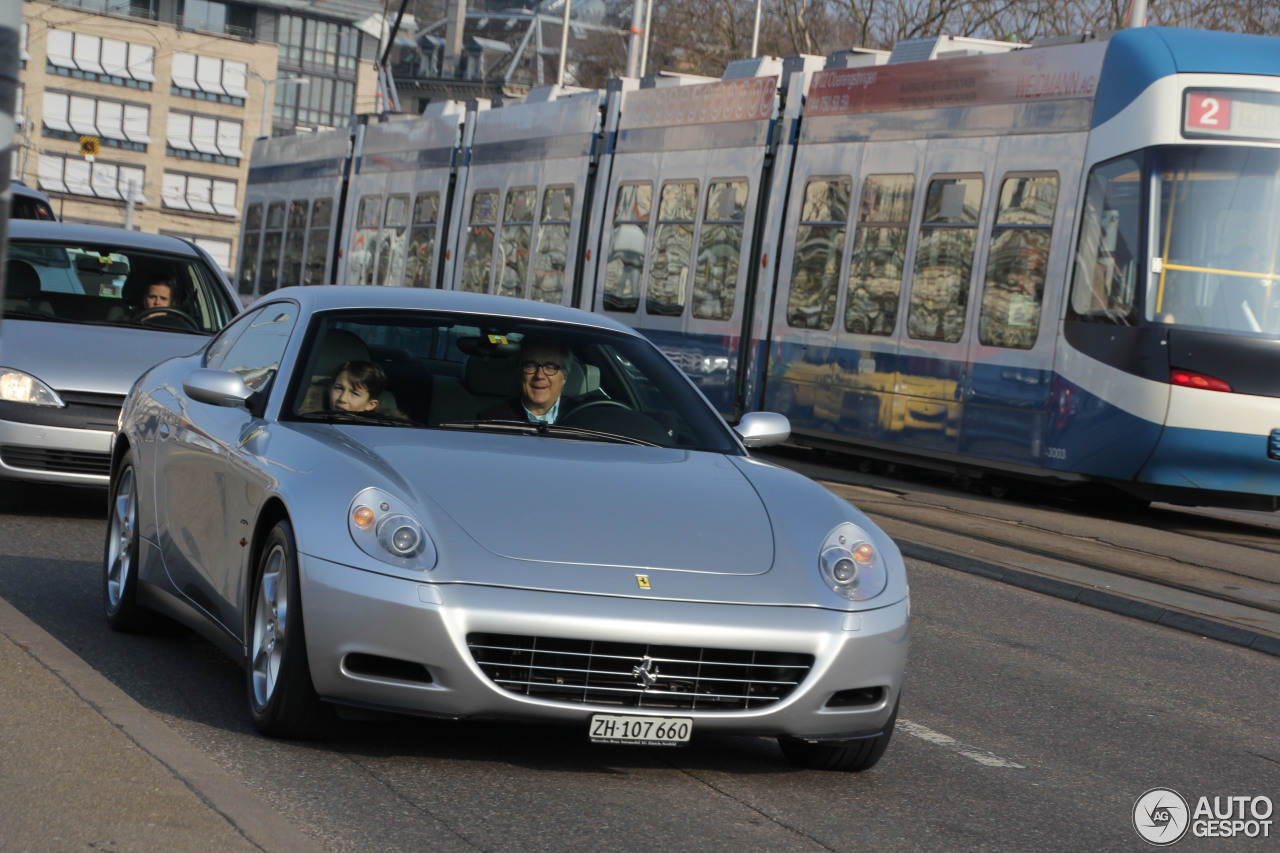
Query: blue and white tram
[[1055, 261]]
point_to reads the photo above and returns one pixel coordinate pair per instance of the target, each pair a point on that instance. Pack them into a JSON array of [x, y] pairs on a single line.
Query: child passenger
[[357, 386]]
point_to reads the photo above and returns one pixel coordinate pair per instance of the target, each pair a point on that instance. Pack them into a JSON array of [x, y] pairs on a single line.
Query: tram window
[[422, 240], [626, 247], [248, 274], [517, 237], [879, 254], [1218, 254], [295, 240], [551, 258], [272, 238], [390, 247], [318, 241], [669, 269], [824, 218], [1016, 262], [1105, 277], [944, 259], [715, 275], [360, 255], [477, 258]]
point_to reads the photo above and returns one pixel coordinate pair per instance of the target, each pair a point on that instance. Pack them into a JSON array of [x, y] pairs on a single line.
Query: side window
[[248, 275], [623, 269], [672, 249], [552, 256], [391, 241], [944, 259], [272, 239], [1105, 278], [295, 239], [824, 218], [418, 265], [517, 236], [1016, 262], [477, 258], [318, 241], [879, 254], [715, 273], [256, 344], [364, 240]]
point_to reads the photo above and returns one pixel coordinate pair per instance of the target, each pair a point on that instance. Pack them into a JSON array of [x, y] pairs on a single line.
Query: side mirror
[[217, 388], [762, 429]]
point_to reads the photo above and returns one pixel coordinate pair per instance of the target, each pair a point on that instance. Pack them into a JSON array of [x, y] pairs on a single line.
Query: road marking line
[[979, 755]]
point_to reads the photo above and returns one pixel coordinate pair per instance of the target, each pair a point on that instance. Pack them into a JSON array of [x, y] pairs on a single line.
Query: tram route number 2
[[1211, 112], [646, 731]]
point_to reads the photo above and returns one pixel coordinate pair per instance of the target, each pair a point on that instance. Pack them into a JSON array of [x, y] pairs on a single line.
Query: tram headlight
[[850, 564]]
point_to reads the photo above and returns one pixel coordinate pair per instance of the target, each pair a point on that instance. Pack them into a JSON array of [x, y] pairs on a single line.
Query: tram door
[[684, 185], [1024, 257], [395, 202], [526, 186], [937, 326]]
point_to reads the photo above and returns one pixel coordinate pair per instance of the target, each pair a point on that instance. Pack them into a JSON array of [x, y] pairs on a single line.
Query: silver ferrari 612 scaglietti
[[467, 506]]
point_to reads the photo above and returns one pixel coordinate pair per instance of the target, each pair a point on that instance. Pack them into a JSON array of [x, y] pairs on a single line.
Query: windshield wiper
[[354, 418], [539, 428], [23, 314]]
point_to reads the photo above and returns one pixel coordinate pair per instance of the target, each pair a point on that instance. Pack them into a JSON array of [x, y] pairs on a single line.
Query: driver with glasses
[[541, 368]]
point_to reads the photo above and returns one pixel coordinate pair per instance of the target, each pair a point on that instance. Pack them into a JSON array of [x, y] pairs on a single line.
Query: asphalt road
[[1029, 723]]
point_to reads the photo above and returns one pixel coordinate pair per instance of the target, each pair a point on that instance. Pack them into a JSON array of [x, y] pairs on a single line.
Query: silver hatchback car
[[86, 311], [468, 506]]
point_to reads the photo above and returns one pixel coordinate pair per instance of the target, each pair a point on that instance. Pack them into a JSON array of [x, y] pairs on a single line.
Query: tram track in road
[[1214, 574]]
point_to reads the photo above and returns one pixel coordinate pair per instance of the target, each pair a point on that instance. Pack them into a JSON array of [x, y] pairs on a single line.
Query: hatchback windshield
[[499, 375], [74, 283]]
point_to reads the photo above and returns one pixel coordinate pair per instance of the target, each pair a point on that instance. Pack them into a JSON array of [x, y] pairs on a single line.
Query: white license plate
[[645, 731]]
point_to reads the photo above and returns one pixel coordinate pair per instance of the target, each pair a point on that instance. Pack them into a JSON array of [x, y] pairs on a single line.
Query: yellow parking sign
[[89, 146]]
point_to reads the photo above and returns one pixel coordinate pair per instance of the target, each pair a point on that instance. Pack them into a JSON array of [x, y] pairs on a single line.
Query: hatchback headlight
[[386, 531], [851, 565], [19, 387]]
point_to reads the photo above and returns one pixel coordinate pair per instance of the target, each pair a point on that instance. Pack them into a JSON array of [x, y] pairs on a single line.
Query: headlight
[[851, 565], [384, 530], [19, 387]]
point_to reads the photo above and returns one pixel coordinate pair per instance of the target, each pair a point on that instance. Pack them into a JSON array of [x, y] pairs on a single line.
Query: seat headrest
[[490, 377], [582, 379], [21, 280], [338, 347]]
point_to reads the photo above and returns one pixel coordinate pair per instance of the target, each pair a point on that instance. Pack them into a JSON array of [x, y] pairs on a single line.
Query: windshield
[[414, 369], [75, 283], [1217, 266]]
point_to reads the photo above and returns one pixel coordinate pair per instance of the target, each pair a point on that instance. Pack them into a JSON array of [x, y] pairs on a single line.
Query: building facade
[[144, 117]]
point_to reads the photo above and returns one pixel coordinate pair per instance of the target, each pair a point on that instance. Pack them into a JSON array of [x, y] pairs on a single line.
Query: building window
[[210, 140], [318, 45], [115, 124], [200, 195], [206, 78], [101, 60], [97, 179]]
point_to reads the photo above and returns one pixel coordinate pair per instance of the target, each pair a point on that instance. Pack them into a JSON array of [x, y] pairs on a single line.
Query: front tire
[[850, 756], [122, 556], [282, 698]]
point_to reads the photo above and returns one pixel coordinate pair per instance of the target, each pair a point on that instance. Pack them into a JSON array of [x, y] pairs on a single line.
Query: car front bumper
[[54, 454], [384, 642]]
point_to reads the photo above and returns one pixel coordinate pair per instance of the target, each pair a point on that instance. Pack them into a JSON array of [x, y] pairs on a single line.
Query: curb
[[1091, 596]]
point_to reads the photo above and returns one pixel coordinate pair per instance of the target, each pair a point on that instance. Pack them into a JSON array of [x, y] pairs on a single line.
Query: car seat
[[22, 288]]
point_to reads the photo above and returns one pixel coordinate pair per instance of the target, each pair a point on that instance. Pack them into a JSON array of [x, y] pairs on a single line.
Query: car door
[[198, 472]]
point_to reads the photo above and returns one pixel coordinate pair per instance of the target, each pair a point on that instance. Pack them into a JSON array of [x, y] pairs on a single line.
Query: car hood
[[558, 501], [98, 359]]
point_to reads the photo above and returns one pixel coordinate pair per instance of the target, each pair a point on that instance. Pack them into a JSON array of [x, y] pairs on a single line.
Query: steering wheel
[[595, 404], [187, 320]]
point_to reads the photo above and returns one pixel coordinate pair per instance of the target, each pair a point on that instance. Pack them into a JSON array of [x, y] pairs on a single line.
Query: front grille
[[97, 412], [55, 461], [638, 675]]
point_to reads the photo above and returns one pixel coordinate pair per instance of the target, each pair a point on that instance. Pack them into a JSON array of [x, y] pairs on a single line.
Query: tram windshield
[[1217, 260]]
